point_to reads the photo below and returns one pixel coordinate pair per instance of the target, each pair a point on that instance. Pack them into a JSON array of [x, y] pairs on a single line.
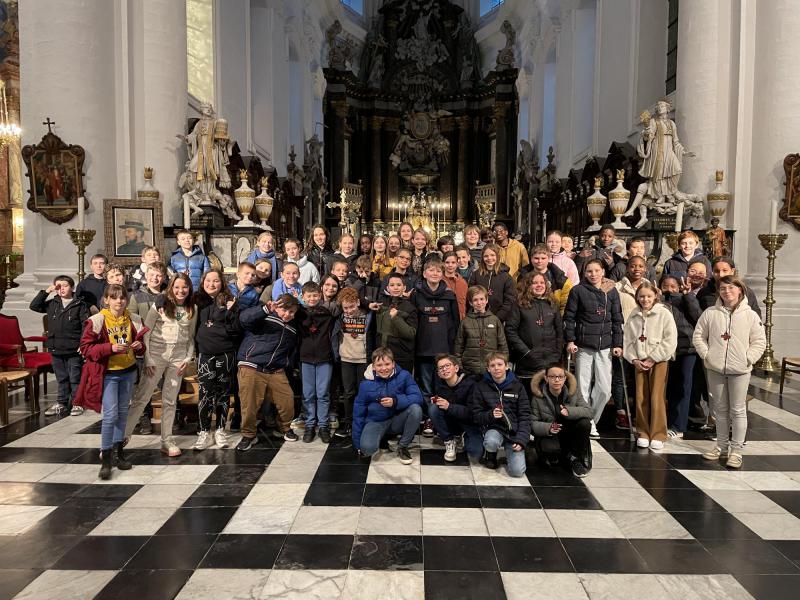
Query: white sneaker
[[675, 435], [221, 438], [450, 450], [643, 443], [53, 410], [656, 444], [203, 441], [594, 433], [76, 411], [170, 448]]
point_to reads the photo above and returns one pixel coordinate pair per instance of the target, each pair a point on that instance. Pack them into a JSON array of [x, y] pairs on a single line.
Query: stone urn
[[148, 190], [245, 198], [596, 204], [618, 199], [264, 204], [718, 198]]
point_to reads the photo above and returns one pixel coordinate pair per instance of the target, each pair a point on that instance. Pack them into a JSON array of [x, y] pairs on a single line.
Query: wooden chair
[[791, 364], [10, 380], [16, 355]]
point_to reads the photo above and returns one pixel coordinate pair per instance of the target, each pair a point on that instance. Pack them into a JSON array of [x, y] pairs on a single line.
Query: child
[[264, 249], [287, 284], [263, 277], [340, 269], [466, 265], [636, 247], [603, 250], [479, 334], [365, 245], [316, 362], [66, 314], [406, 232], [345, 253], [217, 338], [402, 267], [445, 244], [729, 339], [707, 296], [150, 255], [242, 289], [494, 276], [560, 284], [568, 244], [450, 409], [318, 248], [154, 283], [382, 262], [110, 342], [419, 252], [388, 402], [308, 272], [188, 258], [688, 249], [650, 342], [270, 341], [114, 274], [593, 331], [455, 282], [330, 289], [92, 287], [512, 253], [559, 257], [393, 244], [397, 322], [500, 407], [171, 324], [561, 420], [363, 280], [351, 346], [472, 241]]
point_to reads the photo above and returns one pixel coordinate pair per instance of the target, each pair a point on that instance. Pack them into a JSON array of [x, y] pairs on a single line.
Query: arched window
[[200, 49], [488, 6], [354, 5]]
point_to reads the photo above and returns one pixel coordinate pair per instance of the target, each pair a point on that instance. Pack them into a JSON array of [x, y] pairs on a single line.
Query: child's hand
[[119, 348], [150, 371], [374, 305], [572, 348], [648, 363], [517, 447], [387, 402], [229, 304], [50, 289], [441, 402], [393, 312], [136, 345], [617, 352], [181, 369], [564, 411], [555, 428], [497, 413]]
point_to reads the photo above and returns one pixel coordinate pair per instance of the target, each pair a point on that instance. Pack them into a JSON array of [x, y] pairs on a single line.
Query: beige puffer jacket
[[729, 342], [652, 335]]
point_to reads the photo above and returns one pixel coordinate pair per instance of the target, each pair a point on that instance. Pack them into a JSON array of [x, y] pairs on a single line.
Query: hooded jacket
[[729, 342], [91, 289], [511, 397], [627, 297], [707, 297], [409, 279], [535, 336], [437, 319], [275, 262], [620, 270], [502, 291], [678, 265], [593, 317], [269, 343], [600, 253], [650, 335], [367, 407], [559, 282], [686, 311], [218, 329], [479, 334], [459, 396], [193, 265], [350, 260], [545, 407], [64, 323], [308, 272], [246, 297], [316, 331], [566, 264], [397, 334]]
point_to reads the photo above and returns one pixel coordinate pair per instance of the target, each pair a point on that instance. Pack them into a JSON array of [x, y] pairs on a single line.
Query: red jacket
[[95, 348]]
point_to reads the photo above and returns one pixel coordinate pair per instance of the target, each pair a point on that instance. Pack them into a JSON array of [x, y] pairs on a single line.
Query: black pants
[[573, 440], [352, 376], [214, 375]]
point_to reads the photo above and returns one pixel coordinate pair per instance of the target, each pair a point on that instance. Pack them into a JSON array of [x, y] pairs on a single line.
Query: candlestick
[[81, 238], [773, 218], [771, 242], [81, 213], [679, 218]]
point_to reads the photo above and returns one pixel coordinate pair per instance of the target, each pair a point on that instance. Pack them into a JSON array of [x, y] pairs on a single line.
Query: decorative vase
[[618, 199], [596, 204], [718, 198], [264, 203], [245, 198], [147, 191]]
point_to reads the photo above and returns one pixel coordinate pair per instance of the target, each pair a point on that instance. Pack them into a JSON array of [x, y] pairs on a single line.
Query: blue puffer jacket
[[269, 344], [248, 297], [277, 265], [368, 408], [193, 265]]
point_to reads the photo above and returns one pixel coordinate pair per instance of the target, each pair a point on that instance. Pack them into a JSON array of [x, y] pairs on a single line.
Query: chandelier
[[9, 132]]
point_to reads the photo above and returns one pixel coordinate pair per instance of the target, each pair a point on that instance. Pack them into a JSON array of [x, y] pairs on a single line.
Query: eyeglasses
[[445, 367], [557, 377], [403, 257]]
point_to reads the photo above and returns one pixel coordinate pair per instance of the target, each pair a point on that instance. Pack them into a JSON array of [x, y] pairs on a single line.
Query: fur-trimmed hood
[[538, 378]]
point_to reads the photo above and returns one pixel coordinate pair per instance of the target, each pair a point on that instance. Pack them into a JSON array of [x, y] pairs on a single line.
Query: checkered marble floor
[[294, 520]]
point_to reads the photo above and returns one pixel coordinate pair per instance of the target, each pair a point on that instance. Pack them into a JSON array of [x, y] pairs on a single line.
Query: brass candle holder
[[771, 242], [81, 238]]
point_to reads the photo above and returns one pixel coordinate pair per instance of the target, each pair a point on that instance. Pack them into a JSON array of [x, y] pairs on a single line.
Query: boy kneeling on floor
[[388, 402]]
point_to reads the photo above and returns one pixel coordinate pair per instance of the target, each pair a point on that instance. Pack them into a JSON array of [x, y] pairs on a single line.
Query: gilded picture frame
[[131, 225]]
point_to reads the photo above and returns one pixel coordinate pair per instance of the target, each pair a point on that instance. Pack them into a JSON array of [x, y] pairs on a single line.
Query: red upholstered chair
[[15, 355]]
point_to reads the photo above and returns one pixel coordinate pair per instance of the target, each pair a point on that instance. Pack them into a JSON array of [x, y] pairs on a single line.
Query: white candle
[[81, 214], [679, 218], [773, 218], [187, 214]]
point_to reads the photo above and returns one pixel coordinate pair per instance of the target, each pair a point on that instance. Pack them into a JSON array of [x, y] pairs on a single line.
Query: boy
[[512, 252], [635, 247], [560, 258], [242, 289], [341, 270], [189, 258], [265, 249], [473, 243], [155, 281], [466, 265], [397, 322], [114, 274], [402, 267], [500, 407], [688, 250], [91, 288], [316, 362], [287, 284], [66, 314], [270, 340], [603, 250], [150, 255], [479, 334], [363, 281], [388, 401], [450, 408], [308, 272]]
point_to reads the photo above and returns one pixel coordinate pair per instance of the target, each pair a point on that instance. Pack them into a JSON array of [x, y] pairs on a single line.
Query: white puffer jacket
[[650, 335], [308, 272], [729, 342]]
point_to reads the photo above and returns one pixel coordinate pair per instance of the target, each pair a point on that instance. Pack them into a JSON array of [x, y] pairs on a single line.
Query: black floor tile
[[40, 494], [243, 552], [604, 556], [334, 494], [101, 552], [96, 495], [552, 477], [789, 548], [199, 520], [576, 498], [694, 462], [218, 495], [435, 456], [444, 585], [171, 552], [641, 459], [790, 500], [677, 557], [315, 552], [149, 583], [507, 497], [751, 557], [72, 520], [458, 553], [391, 494], [236, 474], [450, 496], [651, 479], [13, 581], [714, 525], [53, 455], [342, 456], [783, 463], [680, 500], [36, 551], [387, 553], [771, 587], [260, 455], [342, 474], [531, 554]]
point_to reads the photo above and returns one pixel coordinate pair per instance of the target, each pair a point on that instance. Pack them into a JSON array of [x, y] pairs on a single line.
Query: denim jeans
[[405, 423], [67, 368], [515, 461], [316, 396], [425, 371], [448, 426], [117, 390]]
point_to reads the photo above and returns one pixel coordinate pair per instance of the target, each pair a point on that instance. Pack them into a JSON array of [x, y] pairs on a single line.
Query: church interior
[[151, 150]]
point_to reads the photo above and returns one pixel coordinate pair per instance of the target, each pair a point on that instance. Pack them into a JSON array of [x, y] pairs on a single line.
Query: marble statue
[[505, 56], [421, 144], [340, 50]]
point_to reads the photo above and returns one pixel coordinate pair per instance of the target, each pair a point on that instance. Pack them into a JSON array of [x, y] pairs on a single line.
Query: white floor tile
[[231, 584], [394, 473], [161, 496], [66, 585], [378, 520], [583, 524], [518, 522], [326, 520], [276, 494], [543, 586], [134, 521], [18, 518], [649, 525], [304, 585], [27, 472], [384, 585], [453, 521], [257, 520], [446, 475], [772, 526]]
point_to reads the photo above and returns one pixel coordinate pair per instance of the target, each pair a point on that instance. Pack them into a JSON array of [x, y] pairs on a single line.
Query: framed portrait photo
[[130, 226]]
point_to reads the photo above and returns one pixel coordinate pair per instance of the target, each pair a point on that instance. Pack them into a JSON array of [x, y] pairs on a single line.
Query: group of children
[[464, 341]]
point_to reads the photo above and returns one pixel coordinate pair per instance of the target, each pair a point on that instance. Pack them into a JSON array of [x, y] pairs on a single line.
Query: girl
[[365, 245], [264, 249], [346, 253], [495, 278], [308, 272], [479, 333], [263, 276], [110, 342], [382, 263], [330, 289], [593, 331], [455, 282], [688, 250], [171, 325], [472, 240], [729, 338], [445, 244], [466, 265], [650, 342], [318, 247], [534, 330], [405, 233], [419, 254], [217, 339], [393, 244], [568, 244]]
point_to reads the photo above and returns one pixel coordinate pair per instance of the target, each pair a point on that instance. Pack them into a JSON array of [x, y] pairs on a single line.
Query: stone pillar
[[464, 135], [376, 177], [499, 112], [337, 146]]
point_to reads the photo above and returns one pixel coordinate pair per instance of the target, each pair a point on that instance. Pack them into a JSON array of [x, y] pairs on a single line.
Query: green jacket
[[399, 333], [478, 335]]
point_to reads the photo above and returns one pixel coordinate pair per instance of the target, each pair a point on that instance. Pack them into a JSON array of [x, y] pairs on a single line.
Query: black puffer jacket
[[438, 319], [685, 310], [459, 396], [316, 329], [218, 329], [269, 344], [502, 291], [678, 265], [319, 257], [593, 317], [350, 260], [707, 297], [601, 254], [535, 336], [511, 397], [64, 324]]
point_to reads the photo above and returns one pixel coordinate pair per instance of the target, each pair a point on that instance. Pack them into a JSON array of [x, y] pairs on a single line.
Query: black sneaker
[[246, 443], [427, 428], [145, 425], [384, 444], [404, 456], [308, 435], [324, 435], [291, 436], [236, 423], [579, 469], [343, 431], [490, 460]]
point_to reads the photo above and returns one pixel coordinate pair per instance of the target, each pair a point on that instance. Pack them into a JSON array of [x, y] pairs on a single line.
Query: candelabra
[[771, 242], [81, 238]]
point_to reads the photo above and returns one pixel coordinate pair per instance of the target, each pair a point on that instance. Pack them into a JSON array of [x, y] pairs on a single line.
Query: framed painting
[[790, 211], [130, 226]]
